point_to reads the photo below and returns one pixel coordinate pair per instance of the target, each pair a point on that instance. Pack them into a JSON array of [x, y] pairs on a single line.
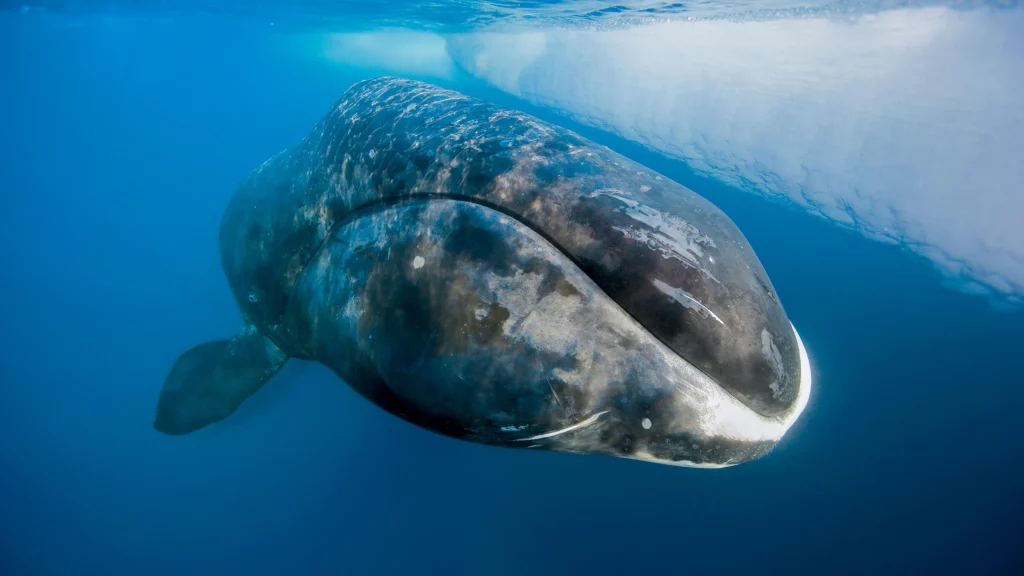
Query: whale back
[[669, 258]]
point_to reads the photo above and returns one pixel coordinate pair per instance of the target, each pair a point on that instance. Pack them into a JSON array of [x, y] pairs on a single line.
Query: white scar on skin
[[576, 426]]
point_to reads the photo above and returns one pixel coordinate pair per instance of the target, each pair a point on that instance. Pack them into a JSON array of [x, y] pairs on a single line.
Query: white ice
[[907, 125]]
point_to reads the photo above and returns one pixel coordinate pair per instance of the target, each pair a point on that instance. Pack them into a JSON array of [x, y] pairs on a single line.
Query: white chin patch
[[804, 394], [725, 417]]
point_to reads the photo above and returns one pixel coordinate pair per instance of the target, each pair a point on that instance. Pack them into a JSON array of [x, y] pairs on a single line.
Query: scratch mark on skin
[[688, 301], [670, 235], [576, 426], [774, 357], [555, 394]]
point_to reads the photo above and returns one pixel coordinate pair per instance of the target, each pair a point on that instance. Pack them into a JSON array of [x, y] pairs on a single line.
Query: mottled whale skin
[[495, 278]]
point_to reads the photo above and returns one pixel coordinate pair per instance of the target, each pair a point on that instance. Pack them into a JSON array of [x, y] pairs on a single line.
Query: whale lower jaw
[[756, 425]]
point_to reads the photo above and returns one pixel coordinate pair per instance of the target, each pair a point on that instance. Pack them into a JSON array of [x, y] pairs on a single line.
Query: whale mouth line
[[383, 204], [380, 205]]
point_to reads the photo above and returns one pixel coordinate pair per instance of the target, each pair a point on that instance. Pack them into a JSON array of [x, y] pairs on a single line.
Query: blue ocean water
[[124, 132]]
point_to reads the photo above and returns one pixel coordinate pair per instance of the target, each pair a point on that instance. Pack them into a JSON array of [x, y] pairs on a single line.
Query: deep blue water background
[[120, 145]]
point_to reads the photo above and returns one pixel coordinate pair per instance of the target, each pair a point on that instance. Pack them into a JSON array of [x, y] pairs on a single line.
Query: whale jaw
[[463, 320]]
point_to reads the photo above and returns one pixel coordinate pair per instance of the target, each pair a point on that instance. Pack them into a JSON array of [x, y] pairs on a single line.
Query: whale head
[[492, 277], [472, 322]]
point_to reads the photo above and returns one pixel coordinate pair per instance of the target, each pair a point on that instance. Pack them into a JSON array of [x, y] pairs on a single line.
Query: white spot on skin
[[644, 188], [480, 313], [418, 262], [646, 423]]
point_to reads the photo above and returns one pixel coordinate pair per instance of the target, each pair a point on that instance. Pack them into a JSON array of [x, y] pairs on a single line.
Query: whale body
[[492, 277]]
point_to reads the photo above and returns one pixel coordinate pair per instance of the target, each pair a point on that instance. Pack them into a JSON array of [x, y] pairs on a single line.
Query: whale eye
[[252, 298]]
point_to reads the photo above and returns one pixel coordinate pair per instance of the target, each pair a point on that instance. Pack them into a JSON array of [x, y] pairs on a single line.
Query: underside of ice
[[907, 125]]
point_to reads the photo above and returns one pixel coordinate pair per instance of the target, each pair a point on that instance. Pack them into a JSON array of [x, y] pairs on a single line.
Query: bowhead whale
[[495, 278]]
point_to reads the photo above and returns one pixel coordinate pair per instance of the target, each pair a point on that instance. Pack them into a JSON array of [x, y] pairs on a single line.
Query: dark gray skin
[[492, 277]]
